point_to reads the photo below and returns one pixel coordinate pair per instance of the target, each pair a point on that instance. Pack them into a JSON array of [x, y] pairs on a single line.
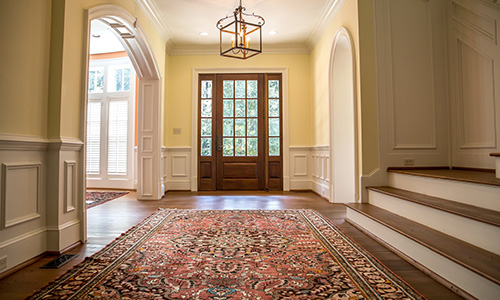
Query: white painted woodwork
[[343, 120], [178, 168], [462, 277], [22, 192], [474, 62], [70, 186], [497, 167], [412, 82], [474, 232], [149, 181], [481, 195]]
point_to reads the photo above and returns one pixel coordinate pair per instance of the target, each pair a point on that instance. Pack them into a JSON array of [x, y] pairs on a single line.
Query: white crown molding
[[174, 50], [329, 11], [17, 142], [152, 12]]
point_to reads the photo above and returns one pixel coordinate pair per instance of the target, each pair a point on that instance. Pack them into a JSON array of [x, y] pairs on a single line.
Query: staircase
[[446, 222]]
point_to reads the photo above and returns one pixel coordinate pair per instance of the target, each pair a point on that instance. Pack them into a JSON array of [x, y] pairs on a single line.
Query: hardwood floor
[[107, 221]]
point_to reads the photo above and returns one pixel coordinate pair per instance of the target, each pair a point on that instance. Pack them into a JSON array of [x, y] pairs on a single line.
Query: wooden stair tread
[[483, 262], [472, 176], [469, 211]]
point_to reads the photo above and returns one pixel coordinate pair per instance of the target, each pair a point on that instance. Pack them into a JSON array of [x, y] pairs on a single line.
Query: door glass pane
[[206, 127], [206, 108], [240, 147], [274, 127], [228, 127], [240, 90], [252, 147], [252, 89], [274, 146], [274, 89], [206, 89], [239, 127], [206, 146], [228, 88], [274, 107], [240, 108], [228, 147], [228, 108], [252, 127], [252, 108]]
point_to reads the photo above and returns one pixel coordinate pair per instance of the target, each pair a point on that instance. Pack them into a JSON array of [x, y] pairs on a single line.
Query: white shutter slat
[[93, 137]]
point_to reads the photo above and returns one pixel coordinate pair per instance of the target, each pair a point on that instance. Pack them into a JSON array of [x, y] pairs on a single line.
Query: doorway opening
[[111, 104], [343, 120], [240, 132]]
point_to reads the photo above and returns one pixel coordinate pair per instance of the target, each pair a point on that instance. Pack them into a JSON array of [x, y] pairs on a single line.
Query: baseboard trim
[[21, 266], [414, 263]]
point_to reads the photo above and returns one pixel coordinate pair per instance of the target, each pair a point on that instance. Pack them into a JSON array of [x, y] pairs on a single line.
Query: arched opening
[[343, 120], [129, 33]]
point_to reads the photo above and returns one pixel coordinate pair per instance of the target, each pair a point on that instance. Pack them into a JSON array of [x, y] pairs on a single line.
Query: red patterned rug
[[222, 255], [95, 198]]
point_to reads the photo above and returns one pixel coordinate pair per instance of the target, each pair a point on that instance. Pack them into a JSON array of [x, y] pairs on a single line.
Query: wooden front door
[[234, 140]]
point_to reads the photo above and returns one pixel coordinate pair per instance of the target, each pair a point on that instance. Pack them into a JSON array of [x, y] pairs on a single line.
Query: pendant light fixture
[[240, 34]]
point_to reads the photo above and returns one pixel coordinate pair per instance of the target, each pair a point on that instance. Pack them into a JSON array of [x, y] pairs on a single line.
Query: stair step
[[478, 260], [469, 211], [486, 177]]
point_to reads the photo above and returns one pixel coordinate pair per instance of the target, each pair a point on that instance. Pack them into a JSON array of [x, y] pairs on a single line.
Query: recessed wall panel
[[476, 98], [412, 75], [21, 193]]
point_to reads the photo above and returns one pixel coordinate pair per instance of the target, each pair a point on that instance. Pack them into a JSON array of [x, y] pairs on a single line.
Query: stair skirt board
[[481, 195], [465, 229], [459, 279]]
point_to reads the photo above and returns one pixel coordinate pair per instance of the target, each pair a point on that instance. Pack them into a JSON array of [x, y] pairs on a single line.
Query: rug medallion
[[222, 255]]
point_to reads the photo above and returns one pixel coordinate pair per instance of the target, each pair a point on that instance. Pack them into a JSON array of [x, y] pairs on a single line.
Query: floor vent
[[57, 262]]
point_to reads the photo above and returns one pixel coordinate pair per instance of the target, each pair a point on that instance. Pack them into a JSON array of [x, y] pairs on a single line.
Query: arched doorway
[[343, 120], [125, 27]]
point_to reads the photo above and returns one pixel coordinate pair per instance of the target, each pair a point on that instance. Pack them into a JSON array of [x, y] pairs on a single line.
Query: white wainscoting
[[310, 169], [177, 163], [41, 196]]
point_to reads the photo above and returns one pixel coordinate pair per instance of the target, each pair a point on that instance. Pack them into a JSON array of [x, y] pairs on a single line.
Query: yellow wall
[[73, 61], [362, 34], [179, 92], [24, 57]]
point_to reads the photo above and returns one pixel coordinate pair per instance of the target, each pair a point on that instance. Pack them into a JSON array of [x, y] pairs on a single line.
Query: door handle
[[219, 142]]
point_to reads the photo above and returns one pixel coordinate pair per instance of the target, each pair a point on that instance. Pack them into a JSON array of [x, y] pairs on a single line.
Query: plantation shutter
[[93, 137], [117, 137]]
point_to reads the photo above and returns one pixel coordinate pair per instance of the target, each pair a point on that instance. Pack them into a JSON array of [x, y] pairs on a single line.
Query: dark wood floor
[[109, 220]]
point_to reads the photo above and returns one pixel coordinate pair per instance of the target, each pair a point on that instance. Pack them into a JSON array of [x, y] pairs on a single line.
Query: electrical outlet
[[177, 131], [3, 262], [409, 161]]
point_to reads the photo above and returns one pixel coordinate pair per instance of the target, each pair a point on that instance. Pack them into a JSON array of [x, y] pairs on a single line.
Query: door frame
[[195, 115]]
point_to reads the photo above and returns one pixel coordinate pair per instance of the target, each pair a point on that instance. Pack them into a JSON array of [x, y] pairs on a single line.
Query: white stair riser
[[461, 277], [477, 233], [481, 195]]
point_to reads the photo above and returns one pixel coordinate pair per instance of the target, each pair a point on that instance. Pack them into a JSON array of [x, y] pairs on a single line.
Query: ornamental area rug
[[95, 198], [222, 255]]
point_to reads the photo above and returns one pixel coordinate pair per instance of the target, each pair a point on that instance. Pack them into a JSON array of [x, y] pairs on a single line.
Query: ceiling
[[298, 23]]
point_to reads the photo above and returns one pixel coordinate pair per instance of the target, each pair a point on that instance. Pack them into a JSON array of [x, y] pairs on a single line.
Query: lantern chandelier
[[240, 34]]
